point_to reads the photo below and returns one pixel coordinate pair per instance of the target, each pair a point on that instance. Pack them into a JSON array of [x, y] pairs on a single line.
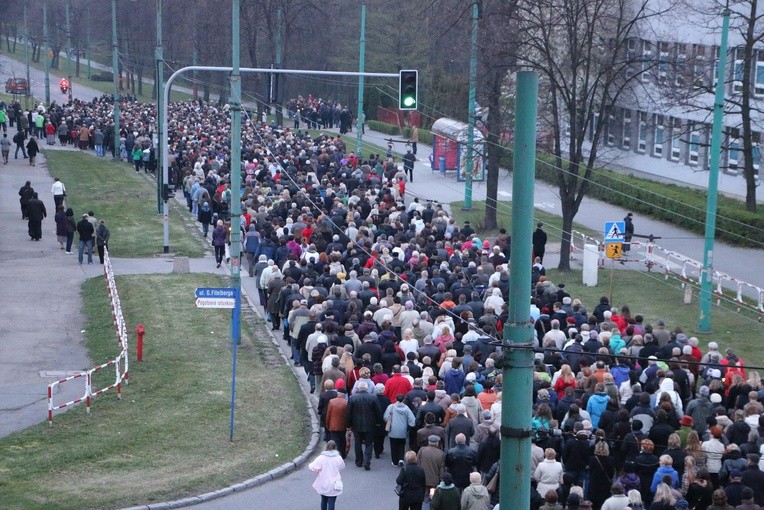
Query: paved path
[[11, 67]]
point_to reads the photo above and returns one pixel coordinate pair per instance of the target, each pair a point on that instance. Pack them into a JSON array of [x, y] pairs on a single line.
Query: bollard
[[139, 331]]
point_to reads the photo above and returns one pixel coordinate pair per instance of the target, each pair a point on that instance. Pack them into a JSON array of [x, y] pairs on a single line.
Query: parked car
[[102, 76], [16, 86]]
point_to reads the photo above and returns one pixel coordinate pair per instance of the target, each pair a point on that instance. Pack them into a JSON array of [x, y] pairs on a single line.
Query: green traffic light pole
[[115, 75], [46, 44], [516, 402], [159, 62], [361, 64], [470, 163], [69, 47], [707, 273]]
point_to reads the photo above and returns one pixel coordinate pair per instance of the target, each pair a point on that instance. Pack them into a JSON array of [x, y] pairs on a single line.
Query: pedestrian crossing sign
[[614, 231], [614, 250]]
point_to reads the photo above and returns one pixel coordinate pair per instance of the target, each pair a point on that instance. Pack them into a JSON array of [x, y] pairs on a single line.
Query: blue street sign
[[614, 231], [215, 292]]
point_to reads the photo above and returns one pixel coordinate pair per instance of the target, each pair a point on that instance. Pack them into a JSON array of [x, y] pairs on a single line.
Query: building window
[[694, 146], [610, 140], [700, 66], [647, 57], [663, 62], [642, 136], [759, 84], [676, 138], [680, 66], [626, 139], [756, 151], [659, 136], [737, 78], [733, 150]]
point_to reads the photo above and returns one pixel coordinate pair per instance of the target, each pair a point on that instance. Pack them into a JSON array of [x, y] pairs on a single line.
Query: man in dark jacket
[[753, 477], [363, 414], [576, 455], [460, 424], [461, 460], [85, 230], [35, 214], [25, 194]]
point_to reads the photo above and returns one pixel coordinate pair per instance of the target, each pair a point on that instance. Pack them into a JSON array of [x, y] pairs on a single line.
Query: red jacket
[[396, 385]]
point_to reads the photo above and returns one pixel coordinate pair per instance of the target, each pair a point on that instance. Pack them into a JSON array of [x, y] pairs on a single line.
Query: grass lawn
[[653, 297], [552, 223], [125, 200], [168, 436]]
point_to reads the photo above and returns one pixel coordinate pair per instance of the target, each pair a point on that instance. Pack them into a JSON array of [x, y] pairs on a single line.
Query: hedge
[[682, 206], [425, 136]]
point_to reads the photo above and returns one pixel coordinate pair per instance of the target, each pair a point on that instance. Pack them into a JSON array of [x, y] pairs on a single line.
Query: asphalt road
[[10, 67]]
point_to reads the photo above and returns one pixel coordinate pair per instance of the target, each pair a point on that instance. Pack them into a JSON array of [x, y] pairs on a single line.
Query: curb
[[273, 474]]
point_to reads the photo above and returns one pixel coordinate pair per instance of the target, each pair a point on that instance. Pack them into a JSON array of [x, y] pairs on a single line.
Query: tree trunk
[[77, 64], [745, 111], [206, 94], [494, 152], [140, 80], [569, 211]]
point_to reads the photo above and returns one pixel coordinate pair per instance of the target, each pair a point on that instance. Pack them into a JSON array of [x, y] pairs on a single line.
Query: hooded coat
[[476, 497]]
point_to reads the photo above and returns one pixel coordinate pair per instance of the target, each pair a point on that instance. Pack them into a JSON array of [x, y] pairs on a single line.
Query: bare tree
[[579, 47]]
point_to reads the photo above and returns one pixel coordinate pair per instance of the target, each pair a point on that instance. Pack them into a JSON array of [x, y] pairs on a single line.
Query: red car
[[16, 86]]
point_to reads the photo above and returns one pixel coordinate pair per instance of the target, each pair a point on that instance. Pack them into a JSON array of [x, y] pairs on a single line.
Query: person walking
[[362, 416], [400, 418], [446, 495], [5, 147], [26, 192], [408, 164], [539, 242], [18, 139], [60, 219], [411, 480], [85, 230], [628, 222], [328, 483], [102, 239], [414, 138], [137, 155], [71, 228], [476, 497], [218, 241], [35, 213], [59, 191], [32, 150]]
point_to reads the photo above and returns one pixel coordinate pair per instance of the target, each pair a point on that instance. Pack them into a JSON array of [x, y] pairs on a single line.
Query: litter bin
[[442, 164]]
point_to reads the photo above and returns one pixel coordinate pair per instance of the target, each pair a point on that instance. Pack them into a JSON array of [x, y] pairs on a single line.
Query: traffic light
[[169, 192], [408, 87]]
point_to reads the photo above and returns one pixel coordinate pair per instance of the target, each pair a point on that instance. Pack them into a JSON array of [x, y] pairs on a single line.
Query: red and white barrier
[[119, 362]]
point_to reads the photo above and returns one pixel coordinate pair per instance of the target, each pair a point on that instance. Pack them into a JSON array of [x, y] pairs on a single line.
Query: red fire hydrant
[[139, 331]]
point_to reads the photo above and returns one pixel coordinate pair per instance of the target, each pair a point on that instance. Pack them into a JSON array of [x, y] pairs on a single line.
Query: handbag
[[491, 487], [389, 423], [338, 485], [401, 487]]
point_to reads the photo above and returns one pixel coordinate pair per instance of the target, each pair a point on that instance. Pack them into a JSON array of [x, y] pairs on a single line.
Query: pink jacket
[[327, 467]]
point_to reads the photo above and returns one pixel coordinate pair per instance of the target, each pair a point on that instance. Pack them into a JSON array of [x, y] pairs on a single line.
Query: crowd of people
[[393, 312]]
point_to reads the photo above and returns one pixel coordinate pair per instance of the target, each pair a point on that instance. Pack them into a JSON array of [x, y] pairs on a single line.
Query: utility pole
[[235, 102], [68, 48], [26, 55], [160, 152], [277, 77], [361, 64], [707, 273], [470, 163], [115, 73], [46, 44], [516, 402], [194, 61]]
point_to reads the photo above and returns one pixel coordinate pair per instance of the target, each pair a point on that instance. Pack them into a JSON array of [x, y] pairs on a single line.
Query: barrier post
[[139, 331], [50, 405], [88, 390]]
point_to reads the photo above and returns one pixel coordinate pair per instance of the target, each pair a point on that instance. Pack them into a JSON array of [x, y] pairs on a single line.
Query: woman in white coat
[[327, 467], [548, 473]]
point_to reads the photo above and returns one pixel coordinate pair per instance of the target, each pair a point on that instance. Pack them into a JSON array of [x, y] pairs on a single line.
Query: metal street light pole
[[115, 73], [707, 273], [361, 64], [26, 55], [68, 48], [235, 110], [159, 56], [470, 163], [46, 44]]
